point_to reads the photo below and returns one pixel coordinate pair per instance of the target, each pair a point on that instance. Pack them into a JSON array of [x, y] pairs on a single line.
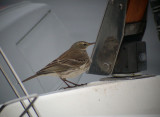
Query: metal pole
[[34, 96], [31, 104], [17, 78], [14, 89]]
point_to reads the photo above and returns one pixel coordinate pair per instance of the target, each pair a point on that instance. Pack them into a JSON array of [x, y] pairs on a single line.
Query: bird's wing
[[68, 60], [58, 66]]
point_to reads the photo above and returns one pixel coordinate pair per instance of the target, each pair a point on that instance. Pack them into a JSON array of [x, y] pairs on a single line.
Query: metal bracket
[[109, 38], [35, 96]]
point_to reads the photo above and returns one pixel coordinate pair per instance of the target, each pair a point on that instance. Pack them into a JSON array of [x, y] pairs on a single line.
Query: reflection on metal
[[106, 56], [109, 38], [18, 80], [134, 28]]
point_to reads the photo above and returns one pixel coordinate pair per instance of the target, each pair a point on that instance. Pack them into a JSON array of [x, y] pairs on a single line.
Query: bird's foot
[[75, 85], [80, 84], [67, 82], [68, 87]]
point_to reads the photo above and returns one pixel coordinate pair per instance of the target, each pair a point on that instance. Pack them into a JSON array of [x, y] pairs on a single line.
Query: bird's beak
[[91, 43]]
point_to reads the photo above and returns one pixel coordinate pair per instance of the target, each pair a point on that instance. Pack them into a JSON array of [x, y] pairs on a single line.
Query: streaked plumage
[[70, 64]]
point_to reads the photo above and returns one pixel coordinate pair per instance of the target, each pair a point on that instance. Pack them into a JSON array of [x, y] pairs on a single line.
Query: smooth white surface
[[131, 97], [138, 97]]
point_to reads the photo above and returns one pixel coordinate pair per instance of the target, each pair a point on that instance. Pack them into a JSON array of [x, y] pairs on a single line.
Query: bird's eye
[[84, 44]]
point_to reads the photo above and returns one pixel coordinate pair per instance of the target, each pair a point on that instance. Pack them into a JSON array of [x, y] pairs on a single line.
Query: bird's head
[[81, 45]]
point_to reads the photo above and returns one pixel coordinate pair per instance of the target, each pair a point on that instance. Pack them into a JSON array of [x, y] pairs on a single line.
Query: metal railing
[[34, 96], [21, 86]]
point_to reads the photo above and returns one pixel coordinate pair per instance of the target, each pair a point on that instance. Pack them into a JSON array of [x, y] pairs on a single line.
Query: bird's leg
[[72, 83], [65, 82], [68, 86], [75, 83]]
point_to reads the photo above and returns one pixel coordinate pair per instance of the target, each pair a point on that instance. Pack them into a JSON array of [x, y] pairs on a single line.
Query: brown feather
[[31, 77], [70, 60]]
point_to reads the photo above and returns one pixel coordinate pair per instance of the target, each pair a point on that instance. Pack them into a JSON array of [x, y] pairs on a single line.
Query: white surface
[[139, 97]]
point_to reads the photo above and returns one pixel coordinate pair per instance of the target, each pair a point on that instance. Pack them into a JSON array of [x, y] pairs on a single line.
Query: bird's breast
[[72, 73]]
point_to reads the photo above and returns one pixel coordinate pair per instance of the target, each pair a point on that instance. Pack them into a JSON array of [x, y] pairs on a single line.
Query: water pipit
[[70, 64]]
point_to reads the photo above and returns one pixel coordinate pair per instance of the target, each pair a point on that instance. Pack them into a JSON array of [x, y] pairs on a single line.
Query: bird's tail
[[29, 78]]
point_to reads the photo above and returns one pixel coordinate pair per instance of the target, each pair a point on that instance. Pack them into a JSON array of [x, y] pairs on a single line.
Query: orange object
[[136, 10]]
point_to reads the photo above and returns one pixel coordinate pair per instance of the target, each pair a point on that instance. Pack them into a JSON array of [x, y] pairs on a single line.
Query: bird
[[70, 64]]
